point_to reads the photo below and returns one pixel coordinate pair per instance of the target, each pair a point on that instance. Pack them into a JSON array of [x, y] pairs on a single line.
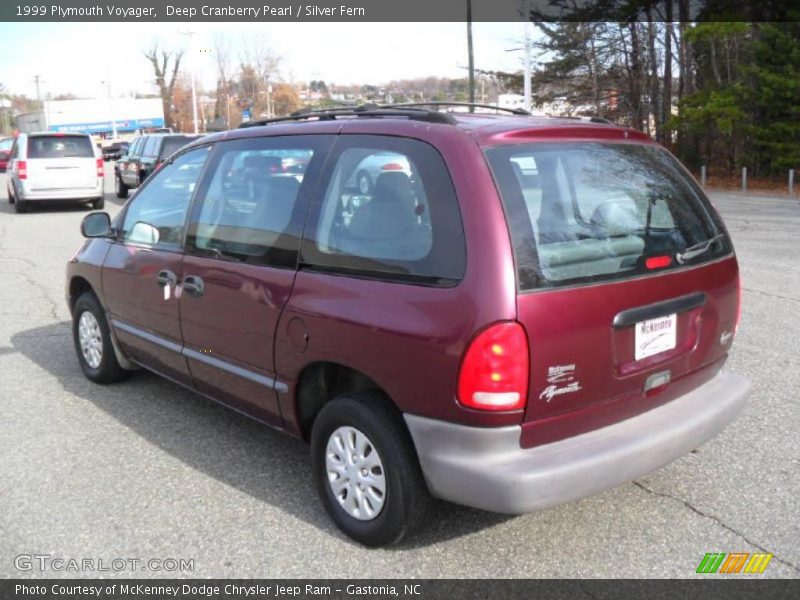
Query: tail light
[[494, 371], [392, 167], [100, 171], [22, 169], [658, 262]]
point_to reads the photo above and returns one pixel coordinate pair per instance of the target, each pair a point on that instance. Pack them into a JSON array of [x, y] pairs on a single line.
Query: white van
[[54, 166]]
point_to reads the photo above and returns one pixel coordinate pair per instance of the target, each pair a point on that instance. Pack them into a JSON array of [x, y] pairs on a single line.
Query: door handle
[[193, 285], [165, 278]]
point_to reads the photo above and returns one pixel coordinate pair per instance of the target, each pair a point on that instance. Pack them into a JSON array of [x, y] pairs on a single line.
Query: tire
[[10, 194], [119, 187], [364, 183], [98, 204], [107, 369], [406, 502], [20, 205]]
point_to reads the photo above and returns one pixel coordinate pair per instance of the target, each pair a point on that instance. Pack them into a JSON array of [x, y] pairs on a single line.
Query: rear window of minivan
[[584, 212], [60, 146]]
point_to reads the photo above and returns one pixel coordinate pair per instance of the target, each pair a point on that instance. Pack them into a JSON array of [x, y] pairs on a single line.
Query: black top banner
[[268, 11]]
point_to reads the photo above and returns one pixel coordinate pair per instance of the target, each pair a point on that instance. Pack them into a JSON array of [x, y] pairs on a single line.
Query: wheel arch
[[78, 285], [322, 381]]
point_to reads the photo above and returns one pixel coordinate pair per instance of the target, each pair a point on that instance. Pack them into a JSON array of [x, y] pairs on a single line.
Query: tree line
[[247, 79], [723, 94]]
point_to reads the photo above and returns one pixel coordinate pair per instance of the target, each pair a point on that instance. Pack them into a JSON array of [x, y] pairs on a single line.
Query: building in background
[[95, 116]]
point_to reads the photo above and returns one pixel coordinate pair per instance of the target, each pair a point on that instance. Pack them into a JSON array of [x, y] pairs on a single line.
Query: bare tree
[[258, 65], [165, 66], [222, 55]]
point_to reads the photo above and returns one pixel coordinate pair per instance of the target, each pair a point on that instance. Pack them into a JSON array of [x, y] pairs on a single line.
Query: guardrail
[[745, 183]]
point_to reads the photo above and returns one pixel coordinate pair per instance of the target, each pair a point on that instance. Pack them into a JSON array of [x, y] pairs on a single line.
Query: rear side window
[[172, 144], [584, 212], [135, 148], [60, 146], [150, 149], [389, 211]]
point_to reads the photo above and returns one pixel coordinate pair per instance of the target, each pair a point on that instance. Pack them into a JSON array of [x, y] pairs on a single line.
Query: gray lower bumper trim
[[486, 468]]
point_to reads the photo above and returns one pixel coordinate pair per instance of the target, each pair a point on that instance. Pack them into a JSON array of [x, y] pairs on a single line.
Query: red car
[[5, 152], [534, 310]]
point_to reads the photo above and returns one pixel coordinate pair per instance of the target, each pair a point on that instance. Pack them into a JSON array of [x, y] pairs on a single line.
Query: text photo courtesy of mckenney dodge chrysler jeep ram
[[516, 312]]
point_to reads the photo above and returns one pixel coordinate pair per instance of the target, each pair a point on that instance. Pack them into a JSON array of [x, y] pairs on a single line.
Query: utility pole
[[471, 57], [191, 67], [111, 108], [527, 83], [42, 105]]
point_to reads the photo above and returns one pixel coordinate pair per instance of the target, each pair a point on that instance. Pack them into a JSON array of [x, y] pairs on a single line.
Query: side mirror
[[144, 233], [96, 225]]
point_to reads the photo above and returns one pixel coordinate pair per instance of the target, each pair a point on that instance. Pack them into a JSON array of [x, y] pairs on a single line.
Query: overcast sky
[[77, 57]]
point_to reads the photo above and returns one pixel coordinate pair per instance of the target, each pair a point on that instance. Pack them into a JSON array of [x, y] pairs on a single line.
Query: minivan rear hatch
[[61, 162], [627, 283]]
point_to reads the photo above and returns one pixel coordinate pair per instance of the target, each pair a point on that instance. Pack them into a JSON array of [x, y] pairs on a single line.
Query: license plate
[[655, 336]]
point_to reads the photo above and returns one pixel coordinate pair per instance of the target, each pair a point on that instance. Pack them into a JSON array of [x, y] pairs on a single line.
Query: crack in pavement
[[44, 290], [23, 260], [770, 295], [718, 522]]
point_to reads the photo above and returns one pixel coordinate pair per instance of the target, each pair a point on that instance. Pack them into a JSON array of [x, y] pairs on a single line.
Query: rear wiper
[[696, 249]]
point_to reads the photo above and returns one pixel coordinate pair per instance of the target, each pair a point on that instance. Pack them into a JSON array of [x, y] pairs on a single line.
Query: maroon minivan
[[518, 312]]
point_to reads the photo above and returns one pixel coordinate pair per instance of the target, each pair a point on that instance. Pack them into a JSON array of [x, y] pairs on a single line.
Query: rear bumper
[[486, 468], [82, 193]]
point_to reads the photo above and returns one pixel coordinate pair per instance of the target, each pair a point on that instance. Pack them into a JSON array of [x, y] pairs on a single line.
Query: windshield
[[582, 212]]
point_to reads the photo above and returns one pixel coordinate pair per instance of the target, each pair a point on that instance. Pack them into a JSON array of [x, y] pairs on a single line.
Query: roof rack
[[364, 110], [513, 111]]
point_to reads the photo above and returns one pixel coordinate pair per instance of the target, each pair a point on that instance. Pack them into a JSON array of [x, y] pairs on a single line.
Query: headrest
[[617, 218], [392, 186]]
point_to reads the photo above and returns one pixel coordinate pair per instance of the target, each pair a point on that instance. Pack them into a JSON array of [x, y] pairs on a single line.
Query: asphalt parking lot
[[146, 469]]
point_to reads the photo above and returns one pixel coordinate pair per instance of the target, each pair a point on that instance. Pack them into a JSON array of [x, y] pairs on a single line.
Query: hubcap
[[355, 473], [91, 339]]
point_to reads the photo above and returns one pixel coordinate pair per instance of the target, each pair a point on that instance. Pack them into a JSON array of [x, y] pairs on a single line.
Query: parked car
[[530, 311], [54, 166], [5, 152], [115, 150], [142, 157], [367, 172]]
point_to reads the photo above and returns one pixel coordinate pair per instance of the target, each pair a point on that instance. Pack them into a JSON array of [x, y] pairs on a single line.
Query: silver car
[[54, 166], [367, 171]]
